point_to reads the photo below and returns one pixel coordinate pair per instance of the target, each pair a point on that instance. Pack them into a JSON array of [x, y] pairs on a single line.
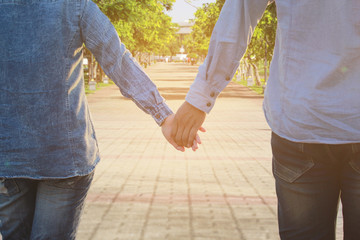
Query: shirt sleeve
[[101, 38], [230, 37]]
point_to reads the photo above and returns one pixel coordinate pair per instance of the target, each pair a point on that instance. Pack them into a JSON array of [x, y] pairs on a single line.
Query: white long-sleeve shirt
[[313, 91]]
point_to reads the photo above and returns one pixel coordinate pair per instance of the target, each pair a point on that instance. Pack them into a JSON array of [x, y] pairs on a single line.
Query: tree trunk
[[91, 67], [100, 73], [265, 64], [247, 69], [95, 70], [256, 74], [242, 70]]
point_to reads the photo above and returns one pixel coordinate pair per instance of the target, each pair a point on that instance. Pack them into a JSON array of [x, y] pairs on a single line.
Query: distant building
[[185, 28]]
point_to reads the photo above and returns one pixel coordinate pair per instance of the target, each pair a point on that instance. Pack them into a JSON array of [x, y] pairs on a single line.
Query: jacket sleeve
[[230, 37], [101, 38]]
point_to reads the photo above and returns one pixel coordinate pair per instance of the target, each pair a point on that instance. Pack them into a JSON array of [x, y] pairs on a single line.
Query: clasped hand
[[180, 129]]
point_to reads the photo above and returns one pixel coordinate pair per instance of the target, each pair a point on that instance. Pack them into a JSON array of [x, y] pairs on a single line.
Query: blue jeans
[[310, 180], [41, 209]]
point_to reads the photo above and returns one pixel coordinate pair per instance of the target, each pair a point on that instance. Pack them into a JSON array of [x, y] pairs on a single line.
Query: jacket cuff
[[202, 96], [162, 113]]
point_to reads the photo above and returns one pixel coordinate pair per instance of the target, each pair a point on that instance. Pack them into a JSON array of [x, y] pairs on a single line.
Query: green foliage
[[172, 48], [262, 43], [98, 86], [258, 89], [142, 24], [204, 22], [193, 55]]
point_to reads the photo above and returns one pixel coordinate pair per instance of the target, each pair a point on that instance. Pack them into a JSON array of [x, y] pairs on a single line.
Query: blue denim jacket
[[45, 126]]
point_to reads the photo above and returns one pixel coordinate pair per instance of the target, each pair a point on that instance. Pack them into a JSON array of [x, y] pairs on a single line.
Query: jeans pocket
[[355, 158], [77, 183], [289, 160], [8, 187]]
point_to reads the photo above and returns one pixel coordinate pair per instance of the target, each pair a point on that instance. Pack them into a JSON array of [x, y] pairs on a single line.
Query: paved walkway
[[144, 189]]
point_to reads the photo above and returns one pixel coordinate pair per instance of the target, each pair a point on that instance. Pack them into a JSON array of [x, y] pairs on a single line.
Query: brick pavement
[[145, 190]]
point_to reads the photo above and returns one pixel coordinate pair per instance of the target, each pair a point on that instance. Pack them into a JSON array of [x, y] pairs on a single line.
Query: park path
[[143, 189]]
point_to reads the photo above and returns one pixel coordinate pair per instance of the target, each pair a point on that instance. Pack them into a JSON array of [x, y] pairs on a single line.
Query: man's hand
[[188, 121], [166, 129]]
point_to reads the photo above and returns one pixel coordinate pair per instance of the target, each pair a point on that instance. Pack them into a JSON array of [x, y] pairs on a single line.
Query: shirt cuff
[[162, 113], [202, 96]]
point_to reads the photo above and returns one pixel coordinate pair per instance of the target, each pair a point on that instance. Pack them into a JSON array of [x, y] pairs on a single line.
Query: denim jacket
[[45, 125]]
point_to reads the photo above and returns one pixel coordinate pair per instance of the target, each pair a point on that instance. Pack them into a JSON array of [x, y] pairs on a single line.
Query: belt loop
[[301, 147], [355, 147]]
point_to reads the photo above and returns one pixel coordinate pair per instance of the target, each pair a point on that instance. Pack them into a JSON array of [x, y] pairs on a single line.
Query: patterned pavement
[[145, 190]]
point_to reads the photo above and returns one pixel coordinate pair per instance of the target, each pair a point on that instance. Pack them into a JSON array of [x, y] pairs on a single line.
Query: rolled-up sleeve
[[231, 35], [101, 38]]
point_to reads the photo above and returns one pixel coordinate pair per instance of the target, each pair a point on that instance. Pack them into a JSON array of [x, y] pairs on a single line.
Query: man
[[48, 148], [311, 104]]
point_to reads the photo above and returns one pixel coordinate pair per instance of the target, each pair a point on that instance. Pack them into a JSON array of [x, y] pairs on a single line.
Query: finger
[[178, 136], [176, 146], [195, 146], [191, 136], [174, 129], [185, 137], [201, 129], [197, 139], [181, 149]]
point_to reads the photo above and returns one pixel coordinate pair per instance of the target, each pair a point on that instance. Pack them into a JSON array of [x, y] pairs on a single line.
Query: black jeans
[[310, 180]]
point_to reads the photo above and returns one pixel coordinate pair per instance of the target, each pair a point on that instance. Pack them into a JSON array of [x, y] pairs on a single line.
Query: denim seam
[[52, 182], [67, 84], [294, 174], [355, 150], [73, 174], [353, 165], [75, 33], [82, 16], [68, 118]]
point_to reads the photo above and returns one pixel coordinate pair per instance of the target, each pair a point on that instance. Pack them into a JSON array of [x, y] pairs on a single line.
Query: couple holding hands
[[48, 147]]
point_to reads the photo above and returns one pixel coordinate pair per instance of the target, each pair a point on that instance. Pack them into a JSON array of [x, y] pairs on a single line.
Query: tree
[[260, 48], [142, 25], [204, 22], [262, 43]]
